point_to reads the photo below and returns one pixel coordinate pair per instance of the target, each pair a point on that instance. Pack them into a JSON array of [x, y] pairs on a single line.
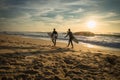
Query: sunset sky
[[44, 15]]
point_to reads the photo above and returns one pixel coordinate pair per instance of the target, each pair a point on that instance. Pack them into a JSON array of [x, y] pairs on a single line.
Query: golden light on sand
[[89, 45], [91, 24]]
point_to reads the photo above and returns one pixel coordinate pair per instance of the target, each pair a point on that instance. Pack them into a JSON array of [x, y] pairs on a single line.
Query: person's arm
[[56, 35], [66, 35], [52, 35]]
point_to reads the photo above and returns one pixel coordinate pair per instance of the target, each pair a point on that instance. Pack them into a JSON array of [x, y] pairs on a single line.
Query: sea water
[[100, 40]]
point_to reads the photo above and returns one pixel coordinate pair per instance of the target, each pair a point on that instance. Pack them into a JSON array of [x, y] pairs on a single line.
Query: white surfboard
[[50, 35], [75, 40]]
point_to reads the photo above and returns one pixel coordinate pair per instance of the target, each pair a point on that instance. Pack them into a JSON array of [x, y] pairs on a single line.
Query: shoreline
[[97, 41], [82, 44], [26, 59], [88, 45], [77, 47]]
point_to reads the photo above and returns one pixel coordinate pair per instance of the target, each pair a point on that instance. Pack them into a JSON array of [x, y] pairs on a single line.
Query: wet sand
[[33, 59]]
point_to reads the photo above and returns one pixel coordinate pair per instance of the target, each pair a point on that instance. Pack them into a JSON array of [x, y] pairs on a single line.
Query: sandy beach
[[35, 59]]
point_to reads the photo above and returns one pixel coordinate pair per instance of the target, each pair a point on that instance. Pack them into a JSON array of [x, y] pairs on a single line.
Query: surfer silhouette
[[70, 34], [54, 36]]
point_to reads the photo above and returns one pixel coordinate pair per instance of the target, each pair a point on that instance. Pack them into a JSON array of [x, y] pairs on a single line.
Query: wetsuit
[[69, 33], [54, 37]]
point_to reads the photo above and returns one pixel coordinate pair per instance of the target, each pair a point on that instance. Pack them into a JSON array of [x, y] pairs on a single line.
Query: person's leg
[[71, 43], [55, 42], [68, 43]]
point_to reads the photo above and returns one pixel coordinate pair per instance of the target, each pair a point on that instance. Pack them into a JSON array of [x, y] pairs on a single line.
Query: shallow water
[[104, 41]]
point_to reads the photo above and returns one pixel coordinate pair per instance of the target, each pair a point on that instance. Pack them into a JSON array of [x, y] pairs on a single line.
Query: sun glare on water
[[91, 24]]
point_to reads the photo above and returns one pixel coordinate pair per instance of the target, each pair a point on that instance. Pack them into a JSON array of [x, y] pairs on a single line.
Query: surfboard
[[50, 35], [75, 40]]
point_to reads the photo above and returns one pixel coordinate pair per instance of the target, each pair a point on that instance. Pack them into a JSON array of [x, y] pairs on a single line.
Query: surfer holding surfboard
[[54, 36], [71, 38]]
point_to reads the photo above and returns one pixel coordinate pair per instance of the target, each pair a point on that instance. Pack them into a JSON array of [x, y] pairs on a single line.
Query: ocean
[[99, 40]]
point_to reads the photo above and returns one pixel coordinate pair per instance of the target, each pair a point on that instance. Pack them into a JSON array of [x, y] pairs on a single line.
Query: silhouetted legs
[[54, 41], [70, 42]]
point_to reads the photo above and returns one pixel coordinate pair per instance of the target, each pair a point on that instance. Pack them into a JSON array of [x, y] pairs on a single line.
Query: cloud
[[78, 10], [64, 12], [59, 18]]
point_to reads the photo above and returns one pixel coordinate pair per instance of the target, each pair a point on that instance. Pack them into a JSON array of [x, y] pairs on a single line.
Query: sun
[[91, 24]]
